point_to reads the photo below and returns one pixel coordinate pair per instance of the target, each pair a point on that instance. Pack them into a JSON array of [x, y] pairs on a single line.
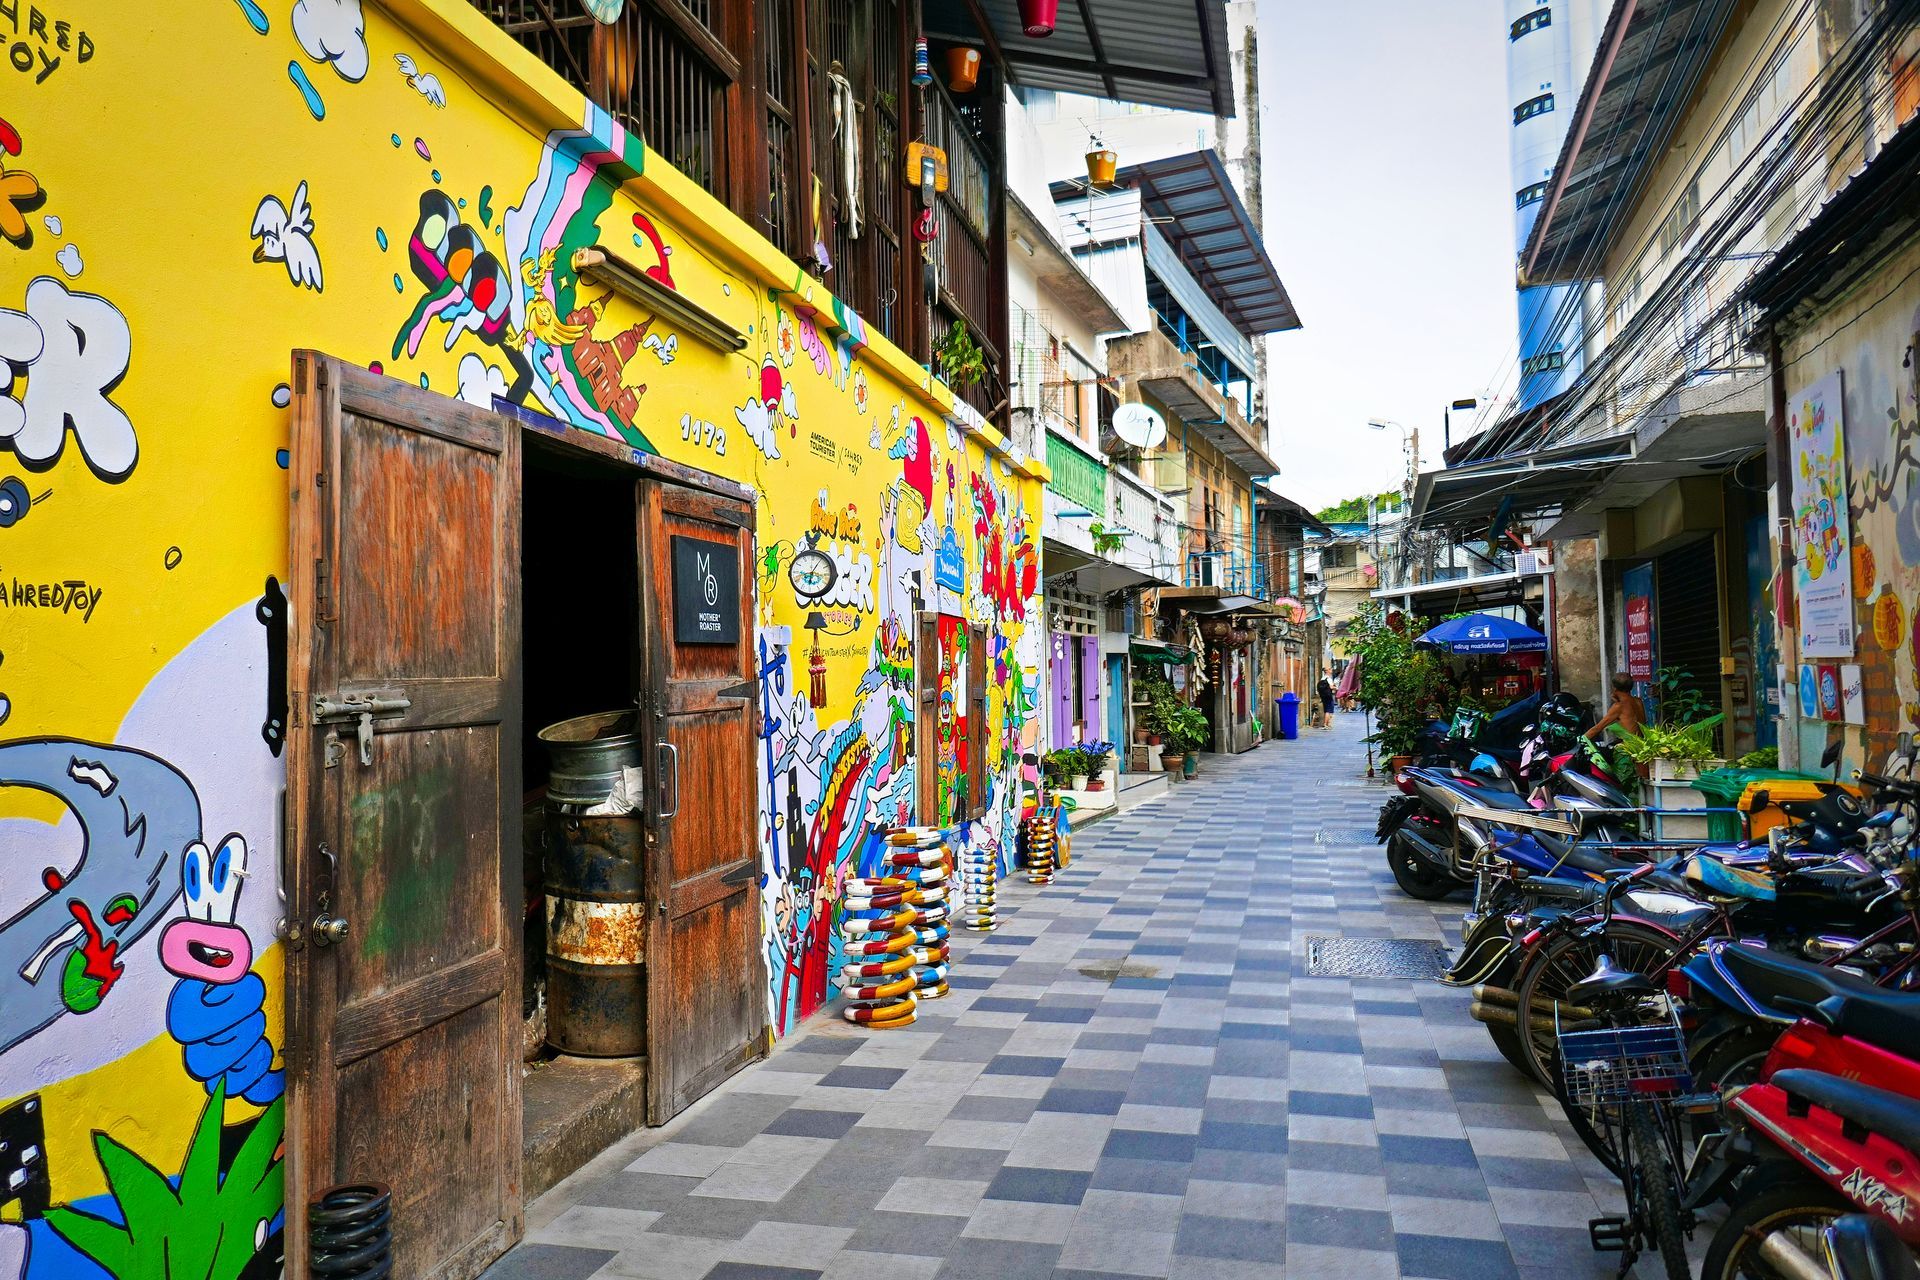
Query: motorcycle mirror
[[1831, 756]]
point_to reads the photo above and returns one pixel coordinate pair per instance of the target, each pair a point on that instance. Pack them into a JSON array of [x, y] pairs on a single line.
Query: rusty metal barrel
[[594, 881]]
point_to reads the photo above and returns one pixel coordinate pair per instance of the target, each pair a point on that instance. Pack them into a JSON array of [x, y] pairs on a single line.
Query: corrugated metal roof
[[1652, 54], [1163, 53], [1194, 205]]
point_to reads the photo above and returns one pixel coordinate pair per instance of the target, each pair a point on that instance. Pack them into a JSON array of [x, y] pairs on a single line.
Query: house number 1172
[[700, 431]]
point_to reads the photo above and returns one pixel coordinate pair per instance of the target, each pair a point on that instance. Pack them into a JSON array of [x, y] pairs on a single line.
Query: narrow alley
[[1136, 1075]]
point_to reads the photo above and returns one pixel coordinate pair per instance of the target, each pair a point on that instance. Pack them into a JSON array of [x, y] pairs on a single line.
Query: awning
[[1652, 55], [1193, 204], [1472, 497], [1146, 51], [1456, 595], [1078, 570], [1146, 650]]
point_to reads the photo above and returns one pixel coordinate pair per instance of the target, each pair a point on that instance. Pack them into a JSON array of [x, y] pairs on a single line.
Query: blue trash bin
[[1286, 710]]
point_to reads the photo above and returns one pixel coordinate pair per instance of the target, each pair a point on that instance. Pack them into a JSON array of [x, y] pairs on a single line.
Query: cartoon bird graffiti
[[285, 233]]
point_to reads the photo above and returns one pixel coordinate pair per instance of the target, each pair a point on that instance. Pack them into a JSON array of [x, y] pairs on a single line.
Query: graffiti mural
[[378, 206]]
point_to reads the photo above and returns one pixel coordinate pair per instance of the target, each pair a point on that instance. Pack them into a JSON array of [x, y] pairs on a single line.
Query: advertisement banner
[[1636, 585], [1823, 573]]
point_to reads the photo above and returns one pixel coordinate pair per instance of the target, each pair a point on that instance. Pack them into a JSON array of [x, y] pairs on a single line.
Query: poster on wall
[[1636, 584], [1823, 572]]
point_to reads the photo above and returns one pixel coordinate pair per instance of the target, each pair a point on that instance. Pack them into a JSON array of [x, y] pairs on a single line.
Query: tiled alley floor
[[1133, 1077]]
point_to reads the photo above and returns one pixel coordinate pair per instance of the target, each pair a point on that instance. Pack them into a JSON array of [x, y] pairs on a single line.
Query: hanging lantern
[[817, 663], [963, 68], [1102, 165], [1036, 17], [922, 64]]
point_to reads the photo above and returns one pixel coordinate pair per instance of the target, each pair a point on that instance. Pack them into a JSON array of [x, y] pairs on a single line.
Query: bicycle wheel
[[1653, 1192], [1555, 964]]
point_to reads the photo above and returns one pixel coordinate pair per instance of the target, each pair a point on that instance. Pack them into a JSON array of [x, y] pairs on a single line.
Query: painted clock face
[[812, 574]]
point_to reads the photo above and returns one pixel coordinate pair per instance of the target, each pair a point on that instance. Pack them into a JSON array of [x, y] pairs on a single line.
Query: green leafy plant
[[1680, 702], [1060, 764], [1760, 758], [1683, 744], [206, 1228], [962, 363], [1104, 542], [1404, 686], [1185, 728]]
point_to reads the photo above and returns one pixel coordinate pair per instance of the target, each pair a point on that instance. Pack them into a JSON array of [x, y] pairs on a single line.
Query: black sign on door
[[706, 591]]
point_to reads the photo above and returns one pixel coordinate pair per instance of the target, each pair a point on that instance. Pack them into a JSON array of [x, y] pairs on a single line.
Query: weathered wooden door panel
[[405, 598], [706, 1005]]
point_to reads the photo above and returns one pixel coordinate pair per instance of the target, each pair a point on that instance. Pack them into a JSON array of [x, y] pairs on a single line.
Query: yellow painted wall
[[188, 194]]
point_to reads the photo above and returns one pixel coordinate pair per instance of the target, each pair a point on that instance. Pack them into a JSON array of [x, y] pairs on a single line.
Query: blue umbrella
[[1484, 633]]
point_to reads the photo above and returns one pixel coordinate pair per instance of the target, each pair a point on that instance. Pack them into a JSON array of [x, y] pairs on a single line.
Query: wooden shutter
[[977, 766]]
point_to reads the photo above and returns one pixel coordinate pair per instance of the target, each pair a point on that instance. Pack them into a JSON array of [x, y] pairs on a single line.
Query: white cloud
[[761, 425], [52, 223], [480, 382], [69, 260], [333, 31]]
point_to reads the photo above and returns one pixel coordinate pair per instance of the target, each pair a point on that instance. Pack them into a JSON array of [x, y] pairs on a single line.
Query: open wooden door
[[403, 876], [706, 995]]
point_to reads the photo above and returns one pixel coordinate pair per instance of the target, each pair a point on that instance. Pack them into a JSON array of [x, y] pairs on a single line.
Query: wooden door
[[706, 995], [405, 1031]]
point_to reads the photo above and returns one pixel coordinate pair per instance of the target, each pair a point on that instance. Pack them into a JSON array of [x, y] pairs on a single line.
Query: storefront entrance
[[405, 777]]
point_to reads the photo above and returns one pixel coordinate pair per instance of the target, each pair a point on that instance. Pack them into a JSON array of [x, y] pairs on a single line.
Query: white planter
[[1678, 793], [1077, 782], [1681, 770]]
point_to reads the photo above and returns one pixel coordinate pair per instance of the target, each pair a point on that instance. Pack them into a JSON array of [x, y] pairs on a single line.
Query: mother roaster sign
[[1823, 575]]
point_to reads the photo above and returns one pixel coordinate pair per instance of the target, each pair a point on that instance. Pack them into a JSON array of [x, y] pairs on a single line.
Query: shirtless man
[[1625, 710]]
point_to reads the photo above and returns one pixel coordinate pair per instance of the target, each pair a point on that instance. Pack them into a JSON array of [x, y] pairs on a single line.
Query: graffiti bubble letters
[[853, 587], [71, 596], [74, 349], [36, 44]]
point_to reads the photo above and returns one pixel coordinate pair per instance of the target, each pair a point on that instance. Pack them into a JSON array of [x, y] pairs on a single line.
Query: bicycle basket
[[1615, 1064]]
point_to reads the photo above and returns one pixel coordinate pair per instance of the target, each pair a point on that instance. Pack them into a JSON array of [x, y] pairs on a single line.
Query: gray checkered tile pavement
[[1211, 1113]]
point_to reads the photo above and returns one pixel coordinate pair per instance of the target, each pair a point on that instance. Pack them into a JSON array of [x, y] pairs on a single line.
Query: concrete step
[[1138, 788]]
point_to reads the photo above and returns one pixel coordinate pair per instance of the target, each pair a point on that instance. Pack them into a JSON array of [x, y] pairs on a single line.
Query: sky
[[1389, 213]]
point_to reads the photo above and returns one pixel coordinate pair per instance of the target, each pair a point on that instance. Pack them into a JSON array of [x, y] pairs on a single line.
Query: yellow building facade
[[188, 195]]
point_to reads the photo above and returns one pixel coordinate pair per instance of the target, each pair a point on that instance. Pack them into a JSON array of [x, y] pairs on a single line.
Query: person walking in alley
[[1326, 701], [1625, 710]]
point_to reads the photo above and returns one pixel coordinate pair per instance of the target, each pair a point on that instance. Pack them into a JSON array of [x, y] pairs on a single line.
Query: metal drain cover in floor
[[1344, 835], [1375, 958], [1113, 970]]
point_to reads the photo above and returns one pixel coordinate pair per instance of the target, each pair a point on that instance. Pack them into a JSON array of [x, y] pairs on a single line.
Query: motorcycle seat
[[1890, 1019], [1493, 798], [1867, 1247], [1613, 982], [1894, 1116], [1718, 878]]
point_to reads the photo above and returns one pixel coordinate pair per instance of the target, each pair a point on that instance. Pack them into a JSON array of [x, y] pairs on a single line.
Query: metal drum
[[593, 878], [589, 755]]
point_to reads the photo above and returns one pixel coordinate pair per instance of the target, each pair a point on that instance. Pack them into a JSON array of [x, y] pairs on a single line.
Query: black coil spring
[[349, 1232]]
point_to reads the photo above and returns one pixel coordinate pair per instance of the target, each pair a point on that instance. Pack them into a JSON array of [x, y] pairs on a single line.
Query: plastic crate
[[1616, 1064]]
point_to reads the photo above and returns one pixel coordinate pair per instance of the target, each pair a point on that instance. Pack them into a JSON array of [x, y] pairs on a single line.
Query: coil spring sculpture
[[894, 928], [1043, 840], [977, 878]]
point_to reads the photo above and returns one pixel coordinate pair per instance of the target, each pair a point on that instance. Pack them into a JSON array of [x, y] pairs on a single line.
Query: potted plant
[[1398, 682], [962, 363], [1059, 766], [1185, 729], [1096, 755]]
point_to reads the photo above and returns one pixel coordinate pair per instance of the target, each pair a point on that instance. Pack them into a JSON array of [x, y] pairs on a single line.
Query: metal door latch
[[360, 708]]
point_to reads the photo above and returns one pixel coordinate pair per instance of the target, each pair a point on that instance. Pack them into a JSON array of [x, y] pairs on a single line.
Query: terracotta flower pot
[[1171, 761], [963, 69]]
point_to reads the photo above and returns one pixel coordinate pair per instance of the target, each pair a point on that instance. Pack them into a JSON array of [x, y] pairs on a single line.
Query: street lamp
[[1446, 418]]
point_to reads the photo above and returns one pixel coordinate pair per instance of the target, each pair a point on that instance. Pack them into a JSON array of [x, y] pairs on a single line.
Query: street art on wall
[[376, 206], [1823, 569]]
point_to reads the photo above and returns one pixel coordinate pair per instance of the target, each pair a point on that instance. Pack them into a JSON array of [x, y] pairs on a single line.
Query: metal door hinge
[[360, 709]]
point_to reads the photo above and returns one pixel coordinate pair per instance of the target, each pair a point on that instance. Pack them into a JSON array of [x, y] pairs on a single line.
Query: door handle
[[674, 752]]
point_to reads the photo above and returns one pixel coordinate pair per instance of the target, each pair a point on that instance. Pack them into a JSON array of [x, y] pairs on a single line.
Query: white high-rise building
[[1550, 44]]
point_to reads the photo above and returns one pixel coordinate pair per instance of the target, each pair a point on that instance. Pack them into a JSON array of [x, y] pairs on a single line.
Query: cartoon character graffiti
[[467, 288], [138, 817], [217, 1009], [285, 233]]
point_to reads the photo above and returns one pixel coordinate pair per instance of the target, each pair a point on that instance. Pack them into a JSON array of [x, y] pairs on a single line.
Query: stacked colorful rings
[[977, 878], [1042, 840], [894, 931]]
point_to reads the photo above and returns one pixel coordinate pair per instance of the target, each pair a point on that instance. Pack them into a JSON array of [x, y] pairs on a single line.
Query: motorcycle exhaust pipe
[[1494, 1014], [1789, 1260]]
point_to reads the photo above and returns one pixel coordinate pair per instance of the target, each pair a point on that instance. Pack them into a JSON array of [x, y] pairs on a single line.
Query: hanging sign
[[706, 591], [1636, 584], [1823, 570]]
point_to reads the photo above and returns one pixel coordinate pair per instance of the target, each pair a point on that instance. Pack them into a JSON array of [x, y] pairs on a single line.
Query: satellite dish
[[1139, 426]]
